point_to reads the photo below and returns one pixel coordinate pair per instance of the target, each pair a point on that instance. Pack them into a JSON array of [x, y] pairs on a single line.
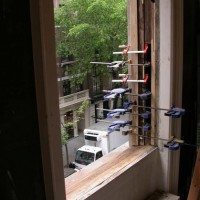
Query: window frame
[[47, 98], [43, 41]]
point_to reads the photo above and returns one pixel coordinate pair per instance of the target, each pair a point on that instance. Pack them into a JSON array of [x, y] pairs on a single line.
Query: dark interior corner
[[21, 175], [190, 95]]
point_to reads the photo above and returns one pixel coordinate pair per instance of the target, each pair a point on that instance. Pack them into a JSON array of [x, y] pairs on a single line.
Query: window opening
[[79, 87], [66, 88], [101, 38], [99, 155], [84, 158], [97, 83]]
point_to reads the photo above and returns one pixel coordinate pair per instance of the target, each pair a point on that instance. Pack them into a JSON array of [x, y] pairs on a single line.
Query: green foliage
[[125, 70], [68, 125], [91, 31], [81, 110], [64, 135]]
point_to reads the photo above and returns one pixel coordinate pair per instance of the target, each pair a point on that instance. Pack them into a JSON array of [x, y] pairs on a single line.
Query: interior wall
[[177, 86], [164, 86]]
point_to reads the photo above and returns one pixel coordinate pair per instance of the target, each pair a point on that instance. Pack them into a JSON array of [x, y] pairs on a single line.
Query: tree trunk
[[67, 156]]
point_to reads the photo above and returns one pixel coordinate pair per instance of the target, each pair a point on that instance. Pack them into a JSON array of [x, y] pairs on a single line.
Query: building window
[[96, 85], [66, 88], [99, 155], [79, 87], [97, 82], [66, 71]]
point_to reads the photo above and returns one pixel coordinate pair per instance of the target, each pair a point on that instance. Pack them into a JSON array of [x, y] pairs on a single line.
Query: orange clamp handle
[[146, 78], [146, 48], [125, 51]]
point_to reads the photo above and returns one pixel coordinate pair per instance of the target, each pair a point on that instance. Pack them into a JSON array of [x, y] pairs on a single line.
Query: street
[[72, 146]]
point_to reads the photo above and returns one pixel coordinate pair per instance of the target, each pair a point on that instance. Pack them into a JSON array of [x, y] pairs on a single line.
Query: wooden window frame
[[43, 35], [43, 39]]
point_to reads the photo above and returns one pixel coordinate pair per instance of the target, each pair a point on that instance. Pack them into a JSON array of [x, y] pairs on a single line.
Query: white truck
[[98, 142]]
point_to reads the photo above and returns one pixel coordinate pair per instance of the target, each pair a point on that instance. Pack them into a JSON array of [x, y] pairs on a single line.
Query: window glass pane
[[84, 158], [99, 155]]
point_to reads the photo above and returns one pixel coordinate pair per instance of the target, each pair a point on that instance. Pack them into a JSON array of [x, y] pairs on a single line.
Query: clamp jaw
[[175, 112], [174, 143], [116, 125], [117, 112]]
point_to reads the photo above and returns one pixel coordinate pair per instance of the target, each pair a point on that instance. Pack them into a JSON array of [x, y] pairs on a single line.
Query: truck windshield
[[84, 158]]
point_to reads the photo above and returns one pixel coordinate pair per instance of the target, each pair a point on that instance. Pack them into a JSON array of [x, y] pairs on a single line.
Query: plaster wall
[[164, 88]]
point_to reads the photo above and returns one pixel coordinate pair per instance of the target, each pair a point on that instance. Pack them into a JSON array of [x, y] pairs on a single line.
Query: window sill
[[86, 182]]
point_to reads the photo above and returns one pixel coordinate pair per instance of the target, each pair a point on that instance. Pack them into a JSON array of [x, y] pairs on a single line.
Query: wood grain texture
[[96, 175]]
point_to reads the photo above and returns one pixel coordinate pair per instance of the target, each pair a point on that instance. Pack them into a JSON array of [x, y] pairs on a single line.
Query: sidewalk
[[68, 171], [72, 145]]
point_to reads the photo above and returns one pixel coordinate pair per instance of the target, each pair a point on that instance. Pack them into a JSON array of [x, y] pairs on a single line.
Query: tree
[[65, 127], [90, 31], [73, 121]]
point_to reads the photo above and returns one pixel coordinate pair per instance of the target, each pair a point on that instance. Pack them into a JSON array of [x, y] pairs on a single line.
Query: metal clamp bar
[[145, 64], [129, 81], [126, 51]]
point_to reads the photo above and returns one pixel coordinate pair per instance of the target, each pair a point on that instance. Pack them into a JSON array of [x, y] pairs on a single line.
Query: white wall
[[165, 90]]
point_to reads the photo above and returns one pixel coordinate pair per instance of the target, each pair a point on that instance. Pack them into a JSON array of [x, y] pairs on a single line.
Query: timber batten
[[100, 173]]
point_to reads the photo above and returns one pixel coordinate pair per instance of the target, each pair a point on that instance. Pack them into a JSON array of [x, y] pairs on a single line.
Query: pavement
[[68, 171], [72, 145]]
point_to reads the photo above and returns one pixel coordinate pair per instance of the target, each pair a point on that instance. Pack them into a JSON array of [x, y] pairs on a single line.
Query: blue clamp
[[175, 112], [128, 104], [145, 95], [117, 124], [145, 128], [173, 143], [115, 93], [146, 115], [117, 112]]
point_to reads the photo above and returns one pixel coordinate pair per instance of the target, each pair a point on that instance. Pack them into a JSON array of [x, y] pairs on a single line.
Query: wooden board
[[98, 174], [133, 41], [194, 193]]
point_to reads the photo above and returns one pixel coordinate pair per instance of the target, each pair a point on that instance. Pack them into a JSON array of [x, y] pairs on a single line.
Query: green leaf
[[90, 30]]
